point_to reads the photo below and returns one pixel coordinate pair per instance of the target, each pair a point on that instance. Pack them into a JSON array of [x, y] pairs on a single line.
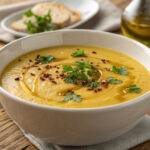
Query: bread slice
[[60, 16], [75, 16], [19, 25]]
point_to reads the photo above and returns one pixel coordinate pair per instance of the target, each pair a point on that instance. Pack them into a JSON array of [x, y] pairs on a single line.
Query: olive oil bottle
[[136, 21]]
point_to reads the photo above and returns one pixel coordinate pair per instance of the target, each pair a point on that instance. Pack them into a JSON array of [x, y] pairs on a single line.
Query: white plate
[[88, 9]]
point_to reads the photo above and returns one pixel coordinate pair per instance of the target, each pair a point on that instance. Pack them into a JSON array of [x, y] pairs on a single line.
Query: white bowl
[[75, 126]]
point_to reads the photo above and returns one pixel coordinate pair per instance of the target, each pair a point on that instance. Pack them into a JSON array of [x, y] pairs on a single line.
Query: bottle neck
[[141, 7], [145, 7]]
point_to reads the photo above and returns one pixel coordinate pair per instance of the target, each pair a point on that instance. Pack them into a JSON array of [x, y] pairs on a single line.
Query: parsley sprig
[[79, 53], [28, 13], [133, 89], [45, 59], [39, 23], [83, 73], [120, 70], [94, 85], [112, 80], [72, 97]]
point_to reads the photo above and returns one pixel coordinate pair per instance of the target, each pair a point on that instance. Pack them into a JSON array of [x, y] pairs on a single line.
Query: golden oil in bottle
[[136, 21]]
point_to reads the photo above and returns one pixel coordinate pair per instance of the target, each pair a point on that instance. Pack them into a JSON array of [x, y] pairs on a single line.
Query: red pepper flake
[[46, 75], [99, 89], [19, 59], [17, 79], [90, 89], [50, 78], [39, 68], [68, 91], [36, 63], [104, 83], [62, 75], [47, 67], [33, 66], [107, 69], [32, 74], [94, 52], [105, 61], [57, 77], [38, 56], [54, 82], [41, 78]]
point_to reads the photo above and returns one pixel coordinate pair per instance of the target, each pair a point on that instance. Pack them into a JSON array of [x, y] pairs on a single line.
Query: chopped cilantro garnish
[[120, 70], [133, 89], [79, 53], [70, 80], [31, 27], [112, 80], [94, 85], [71, 74], [82, 74], [45, 59], [72, 97], [28, 13], [39, 23], [67, 68]]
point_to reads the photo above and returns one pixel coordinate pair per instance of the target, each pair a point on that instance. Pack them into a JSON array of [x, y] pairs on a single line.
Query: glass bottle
[[136, 21]]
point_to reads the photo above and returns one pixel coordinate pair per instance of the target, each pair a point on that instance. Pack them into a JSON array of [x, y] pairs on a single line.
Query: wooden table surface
[[11, 138]]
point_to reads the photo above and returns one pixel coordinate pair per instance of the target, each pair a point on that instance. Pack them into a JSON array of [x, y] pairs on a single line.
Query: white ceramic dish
[[87, 8], [75, 126], [9, 8]]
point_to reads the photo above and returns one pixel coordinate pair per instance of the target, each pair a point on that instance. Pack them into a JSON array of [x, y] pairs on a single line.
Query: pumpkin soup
[[76, 77]]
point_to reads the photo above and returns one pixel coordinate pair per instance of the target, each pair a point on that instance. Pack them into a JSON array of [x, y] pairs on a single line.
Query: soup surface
[[76, 77]]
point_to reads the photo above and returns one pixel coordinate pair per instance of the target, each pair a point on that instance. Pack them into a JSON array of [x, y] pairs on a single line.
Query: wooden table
[[11, 138]]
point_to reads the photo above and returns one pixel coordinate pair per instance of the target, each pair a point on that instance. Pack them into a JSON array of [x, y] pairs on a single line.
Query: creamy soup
[[76, 77]]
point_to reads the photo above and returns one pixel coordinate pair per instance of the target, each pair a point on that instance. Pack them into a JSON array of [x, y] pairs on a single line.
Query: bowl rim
[[122, 105]]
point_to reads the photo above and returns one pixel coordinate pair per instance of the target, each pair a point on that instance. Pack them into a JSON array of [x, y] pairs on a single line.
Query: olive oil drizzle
[[34, 91]]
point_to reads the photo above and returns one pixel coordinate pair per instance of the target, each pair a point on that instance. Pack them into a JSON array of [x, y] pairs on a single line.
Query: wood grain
[[11, 138]]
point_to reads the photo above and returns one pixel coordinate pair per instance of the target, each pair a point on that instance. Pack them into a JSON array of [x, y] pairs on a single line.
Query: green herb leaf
[[31, 27], [46, 59], [82, 74], [70, 80], [67, 68], [112, 80], [72, 97], [28, 13], [71, 74], [133, 89], [94, 85], [120, 70], [83, 65], [79, 53], [39, 23]]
